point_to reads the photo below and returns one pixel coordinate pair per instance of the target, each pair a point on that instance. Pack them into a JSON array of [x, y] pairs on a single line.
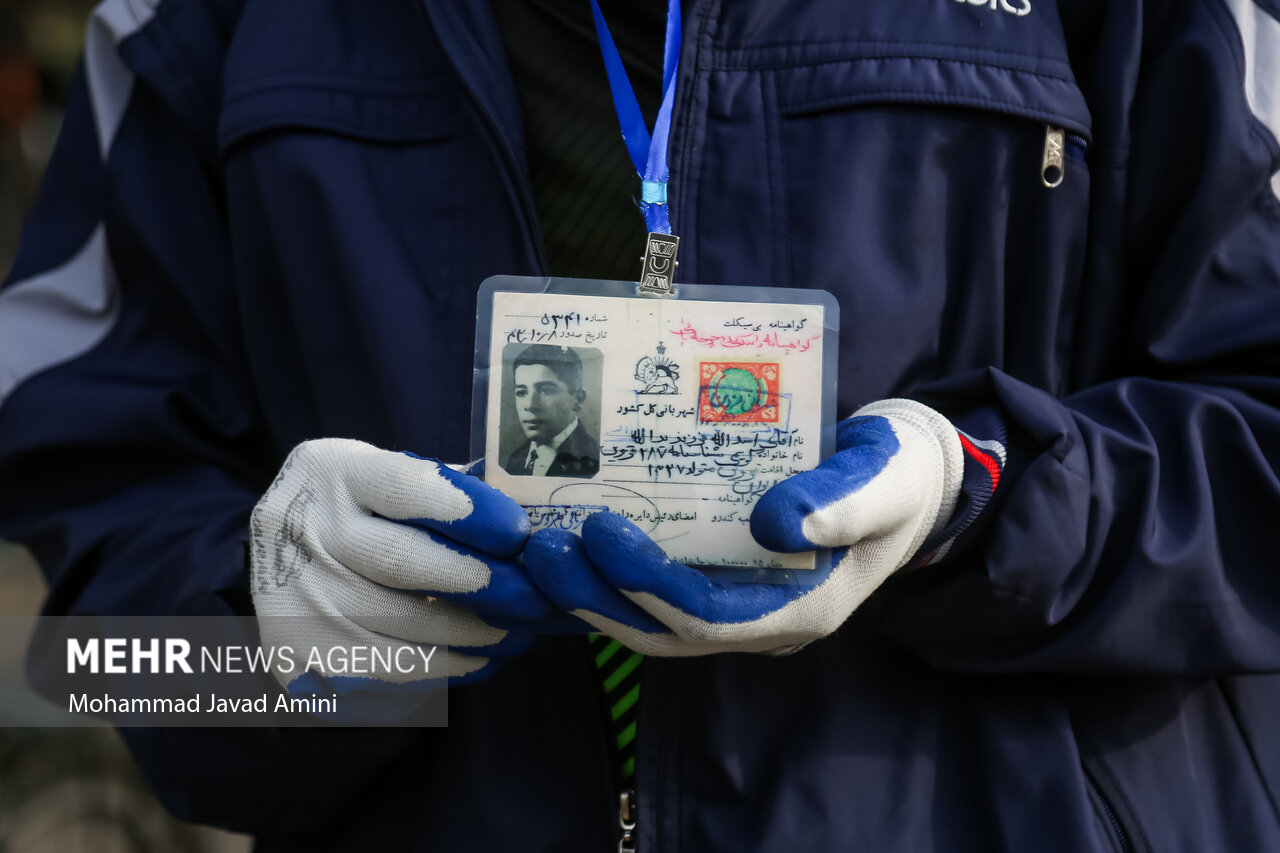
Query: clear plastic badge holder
[[677, 413]]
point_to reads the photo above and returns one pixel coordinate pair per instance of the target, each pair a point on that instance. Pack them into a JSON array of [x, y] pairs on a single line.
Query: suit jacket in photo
[[577, 456]]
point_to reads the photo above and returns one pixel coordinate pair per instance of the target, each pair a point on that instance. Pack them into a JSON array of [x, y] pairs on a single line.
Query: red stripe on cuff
[[984, 459]]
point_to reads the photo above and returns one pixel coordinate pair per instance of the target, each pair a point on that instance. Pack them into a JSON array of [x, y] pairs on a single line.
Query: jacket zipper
[[626, 797], [627, 821], [1118, 833], [1053, 161], [1115, 825]]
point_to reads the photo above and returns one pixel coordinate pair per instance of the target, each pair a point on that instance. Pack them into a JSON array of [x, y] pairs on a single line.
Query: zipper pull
[[1052, 162], [627, 821]]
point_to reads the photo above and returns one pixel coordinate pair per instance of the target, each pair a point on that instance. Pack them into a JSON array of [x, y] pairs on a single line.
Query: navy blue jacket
[[265, 223]]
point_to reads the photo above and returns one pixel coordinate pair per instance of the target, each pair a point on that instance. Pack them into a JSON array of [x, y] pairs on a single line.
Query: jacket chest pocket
[[360, 195], [945, 203], [345, 119]]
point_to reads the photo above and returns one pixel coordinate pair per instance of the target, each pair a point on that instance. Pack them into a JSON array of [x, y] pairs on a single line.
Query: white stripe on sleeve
[[110, 81], [1260, 35], [57, 316]]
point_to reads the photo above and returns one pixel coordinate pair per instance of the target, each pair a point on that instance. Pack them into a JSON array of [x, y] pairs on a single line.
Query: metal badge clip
[[658, 273]]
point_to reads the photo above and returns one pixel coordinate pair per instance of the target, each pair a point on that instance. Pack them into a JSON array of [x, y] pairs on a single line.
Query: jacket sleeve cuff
[[984, 440]]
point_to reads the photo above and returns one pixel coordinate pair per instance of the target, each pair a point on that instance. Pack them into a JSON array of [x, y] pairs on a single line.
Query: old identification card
[[678, 414]]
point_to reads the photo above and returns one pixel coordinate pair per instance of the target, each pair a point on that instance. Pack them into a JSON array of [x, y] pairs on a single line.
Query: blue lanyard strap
[[648, 153]]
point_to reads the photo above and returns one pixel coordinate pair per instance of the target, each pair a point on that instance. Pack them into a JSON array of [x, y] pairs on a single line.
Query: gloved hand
[[353, 546], [894, 480]]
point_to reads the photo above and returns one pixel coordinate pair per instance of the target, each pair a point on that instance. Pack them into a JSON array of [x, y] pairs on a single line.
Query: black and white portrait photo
[[551, 416]]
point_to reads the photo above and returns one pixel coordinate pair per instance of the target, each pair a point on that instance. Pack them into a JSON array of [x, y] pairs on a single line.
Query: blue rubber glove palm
[[894, 480]]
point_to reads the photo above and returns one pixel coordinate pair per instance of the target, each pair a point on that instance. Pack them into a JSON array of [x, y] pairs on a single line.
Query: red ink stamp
[[738, 392]]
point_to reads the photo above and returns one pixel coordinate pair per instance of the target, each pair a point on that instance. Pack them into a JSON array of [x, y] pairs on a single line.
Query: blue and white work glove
[[893, 482], [358, 547]]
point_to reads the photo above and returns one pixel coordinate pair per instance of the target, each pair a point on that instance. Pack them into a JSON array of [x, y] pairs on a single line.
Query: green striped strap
[[619, 672]]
